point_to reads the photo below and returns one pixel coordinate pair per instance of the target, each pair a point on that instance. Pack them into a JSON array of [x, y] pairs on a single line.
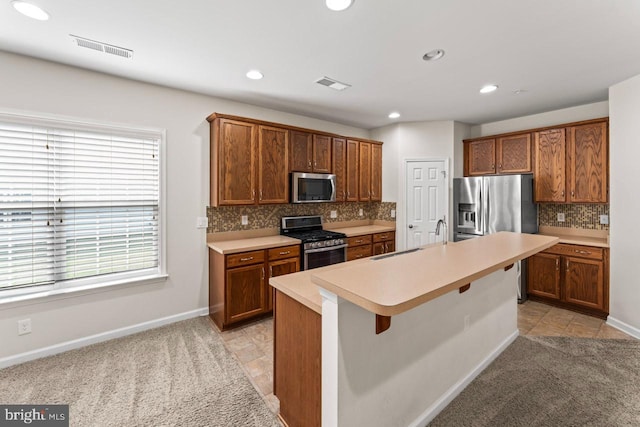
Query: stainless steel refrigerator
[[488, 204]]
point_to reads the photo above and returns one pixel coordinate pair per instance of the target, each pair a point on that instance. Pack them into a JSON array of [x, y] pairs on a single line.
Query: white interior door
[[426, 200]]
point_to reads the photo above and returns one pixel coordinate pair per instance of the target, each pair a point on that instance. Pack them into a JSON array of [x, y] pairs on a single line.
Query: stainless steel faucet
[[444, 224]]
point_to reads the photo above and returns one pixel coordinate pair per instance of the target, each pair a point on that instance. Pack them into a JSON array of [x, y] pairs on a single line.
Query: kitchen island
[[443, 332]]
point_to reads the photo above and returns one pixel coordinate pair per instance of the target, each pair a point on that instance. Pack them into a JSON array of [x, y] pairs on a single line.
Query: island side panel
[[297, 361], [408, 374]]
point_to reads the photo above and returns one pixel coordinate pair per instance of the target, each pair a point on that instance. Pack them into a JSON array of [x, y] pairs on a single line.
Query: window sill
[[77, 291]]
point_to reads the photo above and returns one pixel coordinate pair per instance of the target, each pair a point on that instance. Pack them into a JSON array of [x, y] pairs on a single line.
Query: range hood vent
[[333, 84], [102, 47]]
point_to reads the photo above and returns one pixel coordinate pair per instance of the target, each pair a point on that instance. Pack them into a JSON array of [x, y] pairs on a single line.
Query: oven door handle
[[329, 248]]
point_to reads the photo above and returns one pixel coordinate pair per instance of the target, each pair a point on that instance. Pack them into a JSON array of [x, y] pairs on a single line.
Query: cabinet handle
[[386, 249], [271, 271], [359, 256], [285, 253], [572, 194], [500, 166], [359, 241], [557, 263], [583, 252], [383, 237], [262, 273], [562, 193], [260, 194], [315, 164], [246, 259], [344, 196], [253, 193], [309, 164], [567, 265], [493, 166]]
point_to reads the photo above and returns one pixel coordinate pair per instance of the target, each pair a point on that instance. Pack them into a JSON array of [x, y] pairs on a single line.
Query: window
[[77, 201]]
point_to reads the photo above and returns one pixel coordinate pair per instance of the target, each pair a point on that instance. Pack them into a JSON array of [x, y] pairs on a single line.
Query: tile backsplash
[[227, 218], [576, 216]]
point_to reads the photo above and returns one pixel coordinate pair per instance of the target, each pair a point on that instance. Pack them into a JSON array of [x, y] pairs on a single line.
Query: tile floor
[[253, 344]]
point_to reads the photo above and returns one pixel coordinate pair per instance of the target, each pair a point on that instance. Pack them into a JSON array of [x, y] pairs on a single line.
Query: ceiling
[[559, 53]]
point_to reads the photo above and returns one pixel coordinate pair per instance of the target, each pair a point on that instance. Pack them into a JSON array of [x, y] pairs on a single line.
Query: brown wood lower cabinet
[[297, 362], [359, 247], [384, 243], [571, 276], [239, 283]]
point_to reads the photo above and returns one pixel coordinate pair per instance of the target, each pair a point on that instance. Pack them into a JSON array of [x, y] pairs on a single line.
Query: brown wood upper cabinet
[[310, 152], [369, 171], [352, 171], [249, 163], [571, 164], [339, 168], [501, 155]]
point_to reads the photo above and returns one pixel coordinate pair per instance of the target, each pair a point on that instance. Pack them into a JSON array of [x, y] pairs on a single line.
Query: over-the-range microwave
[[313, 187]]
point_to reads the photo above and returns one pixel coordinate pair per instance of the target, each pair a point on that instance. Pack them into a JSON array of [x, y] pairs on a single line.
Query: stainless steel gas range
[[319, 247]]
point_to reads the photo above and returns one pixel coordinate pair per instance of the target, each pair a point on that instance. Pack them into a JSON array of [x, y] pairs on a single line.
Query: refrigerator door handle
[[486, 214]]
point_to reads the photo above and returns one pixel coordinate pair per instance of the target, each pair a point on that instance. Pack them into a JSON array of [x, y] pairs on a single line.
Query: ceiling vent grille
[[102, 47], [333, 84]]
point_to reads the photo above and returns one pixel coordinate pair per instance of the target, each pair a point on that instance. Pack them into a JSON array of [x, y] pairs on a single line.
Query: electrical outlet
[[393, 213], [244, 220], [561, 217], [604, 219], [334, 214], [467, 318], [24, 326], [360, 212], [202, 222]]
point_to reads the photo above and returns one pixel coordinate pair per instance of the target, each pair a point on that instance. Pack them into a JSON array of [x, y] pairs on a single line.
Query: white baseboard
[[104, 336], [624, 327], [428, 415]]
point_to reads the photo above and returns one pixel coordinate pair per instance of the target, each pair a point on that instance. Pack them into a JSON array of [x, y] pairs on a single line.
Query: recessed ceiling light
[[433, 55], [394, 115], [30, 10], [339, 5], [255, 75], [488, 88]]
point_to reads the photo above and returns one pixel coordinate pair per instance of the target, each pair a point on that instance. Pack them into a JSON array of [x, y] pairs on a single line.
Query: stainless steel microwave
[[313, 187]]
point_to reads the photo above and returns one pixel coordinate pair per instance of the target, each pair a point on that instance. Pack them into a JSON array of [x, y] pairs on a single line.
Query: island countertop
[[391, 285]]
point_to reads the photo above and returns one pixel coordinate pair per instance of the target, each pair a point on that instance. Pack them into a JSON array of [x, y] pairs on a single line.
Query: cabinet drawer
[[245, 258], [381, 237], [359, 240], [358, 252], [284, 252], [579, 251]]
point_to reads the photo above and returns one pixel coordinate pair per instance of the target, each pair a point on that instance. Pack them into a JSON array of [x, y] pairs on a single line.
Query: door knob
[[410, 225]]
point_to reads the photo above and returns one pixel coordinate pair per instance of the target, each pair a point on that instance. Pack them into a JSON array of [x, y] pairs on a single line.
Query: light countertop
[[361, 230], [251, 244], [393, 285], [578, 236]]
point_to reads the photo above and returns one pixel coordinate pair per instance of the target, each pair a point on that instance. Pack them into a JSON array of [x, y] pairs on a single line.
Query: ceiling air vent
[[102, 47], [333, 84]]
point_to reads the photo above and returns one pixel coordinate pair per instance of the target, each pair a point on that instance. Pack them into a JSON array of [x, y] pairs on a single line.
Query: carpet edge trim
[[624, 327], [103, 336], [432, 411]]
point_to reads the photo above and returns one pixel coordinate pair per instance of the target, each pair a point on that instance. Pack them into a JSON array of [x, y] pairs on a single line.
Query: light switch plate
[[244, 220], [334, 214], [604, 219], [202, 222], [393, 213], [360, 212], [561, 217]]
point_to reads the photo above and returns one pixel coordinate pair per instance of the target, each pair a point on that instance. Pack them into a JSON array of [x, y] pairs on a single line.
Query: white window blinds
[[75, 202]]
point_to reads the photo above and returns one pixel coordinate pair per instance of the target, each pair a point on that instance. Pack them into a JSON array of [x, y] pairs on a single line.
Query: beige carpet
[[553, 381], [177, 375]]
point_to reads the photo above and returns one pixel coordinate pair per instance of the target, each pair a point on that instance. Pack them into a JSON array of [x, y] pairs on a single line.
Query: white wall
[[550, 118], [624, 151], [411, 140], [37, 86]]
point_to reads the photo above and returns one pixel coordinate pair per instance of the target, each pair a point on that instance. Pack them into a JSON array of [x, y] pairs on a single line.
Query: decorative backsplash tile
[[576, 216], [227, 218]]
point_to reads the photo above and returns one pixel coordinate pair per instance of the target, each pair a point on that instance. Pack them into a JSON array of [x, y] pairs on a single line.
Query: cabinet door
[[245, 293], [352, 171], [321, 154], [378, 248], [549, 171], [482, 157], [544, 275], [273, 158], [389, 246], [376, 172], [339, 167], [301, 151], [236, 147], [513, 154], [280, 268], [364, 174], [358, 252], [584, 282], [587, 174]]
